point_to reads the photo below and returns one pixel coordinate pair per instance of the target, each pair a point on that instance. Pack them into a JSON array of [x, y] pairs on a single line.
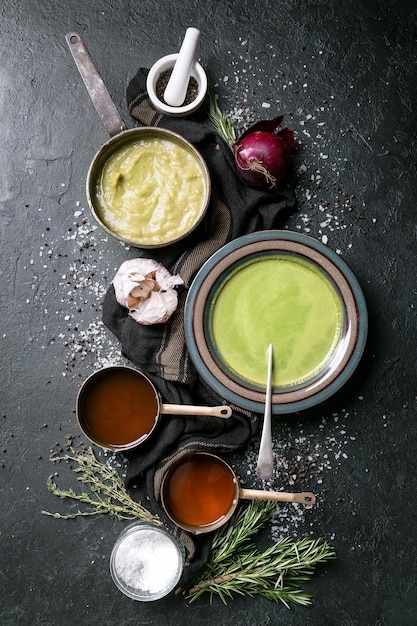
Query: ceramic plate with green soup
[[282, 288]]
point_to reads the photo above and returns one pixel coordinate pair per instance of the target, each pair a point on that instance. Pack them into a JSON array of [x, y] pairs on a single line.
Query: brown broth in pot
[[199, 490], [118, 407]]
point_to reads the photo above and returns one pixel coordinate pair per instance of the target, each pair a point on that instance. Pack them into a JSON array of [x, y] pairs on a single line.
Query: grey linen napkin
[[160, 351]]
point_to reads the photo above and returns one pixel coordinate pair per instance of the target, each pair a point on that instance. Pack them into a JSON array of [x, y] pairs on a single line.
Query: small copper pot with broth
[[148, 186], [200, 493], [118, 408]]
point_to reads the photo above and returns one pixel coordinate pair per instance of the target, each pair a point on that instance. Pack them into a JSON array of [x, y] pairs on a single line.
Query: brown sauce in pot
[[118, 407], [199, 490]]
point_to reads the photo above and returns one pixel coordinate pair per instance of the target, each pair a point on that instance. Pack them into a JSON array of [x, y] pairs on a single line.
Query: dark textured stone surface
[[345, 76]]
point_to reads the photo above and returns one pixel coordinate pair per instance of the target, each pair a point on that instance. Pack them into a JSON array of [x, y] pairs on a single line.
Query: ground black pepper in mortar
[[162, 82]]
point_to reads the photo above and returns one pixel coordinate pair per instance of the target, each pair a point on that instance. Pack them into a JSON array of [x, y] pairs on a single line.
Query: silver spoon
[[264, 468]]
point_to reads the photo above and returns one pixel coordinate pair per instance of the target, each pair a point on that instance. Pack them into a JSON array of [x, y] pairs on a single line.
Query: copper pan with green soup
[[282, 288], [148, 186]]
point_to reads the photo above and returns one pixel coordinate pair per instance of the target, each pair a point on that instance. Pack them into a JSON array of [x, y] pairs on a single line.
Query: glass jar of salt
[[147, 561]]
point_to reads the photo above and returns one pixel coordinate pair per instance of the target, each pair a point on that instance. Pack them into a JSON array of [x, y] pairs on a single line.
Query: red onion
[[263, 156]]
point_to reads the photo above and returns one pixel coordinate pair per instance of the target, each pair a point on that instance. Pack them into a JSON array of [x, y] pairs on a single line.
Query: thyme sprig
[[107, 493], [221, 122], [236, 566]]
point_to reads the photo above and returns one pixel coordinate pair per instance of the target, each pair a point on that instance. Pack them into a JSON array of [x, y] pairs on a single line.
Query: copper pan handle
[[185, 409], [278, 496], [95, 86]]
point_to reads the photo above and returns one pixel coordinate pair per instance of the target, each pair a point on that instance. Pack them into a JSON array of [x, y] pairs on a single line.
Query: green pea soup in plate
[[282, 300]]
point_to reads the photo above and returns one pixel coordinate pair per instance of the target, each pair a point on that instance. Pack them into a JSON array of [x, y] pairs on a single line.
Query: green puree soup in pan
[[151, 190], [280, 299]]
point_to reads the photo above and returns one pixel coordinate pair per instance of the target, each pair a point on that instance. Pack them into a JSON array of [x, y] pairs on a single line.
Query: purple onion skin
[[263, 157]]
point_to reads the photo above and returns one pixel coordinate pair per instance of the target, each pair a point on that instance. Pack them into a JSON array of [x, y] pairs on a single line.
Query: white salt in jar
[[147, 561]]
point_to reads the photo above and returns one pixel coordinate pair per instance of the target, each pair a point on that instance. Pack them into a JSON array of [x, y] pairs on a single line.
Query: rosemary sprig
[[237, 535], [107, 493], [237, 567], [221, 122]]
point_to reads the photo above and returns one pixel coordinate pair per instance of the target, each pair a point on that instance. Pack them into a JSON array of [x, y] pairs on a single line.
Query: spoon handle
[[277, 496], [265, 465], [176, 89]]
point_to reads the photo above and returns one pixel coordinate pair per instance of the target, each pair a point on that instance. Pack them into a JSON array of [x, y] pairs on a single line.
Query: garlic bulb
[[147, 289]]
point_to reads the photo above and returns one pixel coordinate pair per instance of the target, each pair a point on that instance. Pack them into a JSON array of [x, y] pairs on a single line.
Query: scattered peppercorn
[[162, 82]]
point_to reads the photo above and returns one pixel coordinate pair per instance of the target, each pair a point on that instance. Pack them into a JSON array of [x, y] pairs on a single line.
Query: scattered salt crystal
[[265, 105]]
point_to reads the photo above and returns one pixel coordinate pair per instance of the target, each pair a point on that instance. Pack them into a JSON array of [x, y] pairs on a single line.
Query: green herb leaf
[[237, 567], [221, 122], [107, 491]]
